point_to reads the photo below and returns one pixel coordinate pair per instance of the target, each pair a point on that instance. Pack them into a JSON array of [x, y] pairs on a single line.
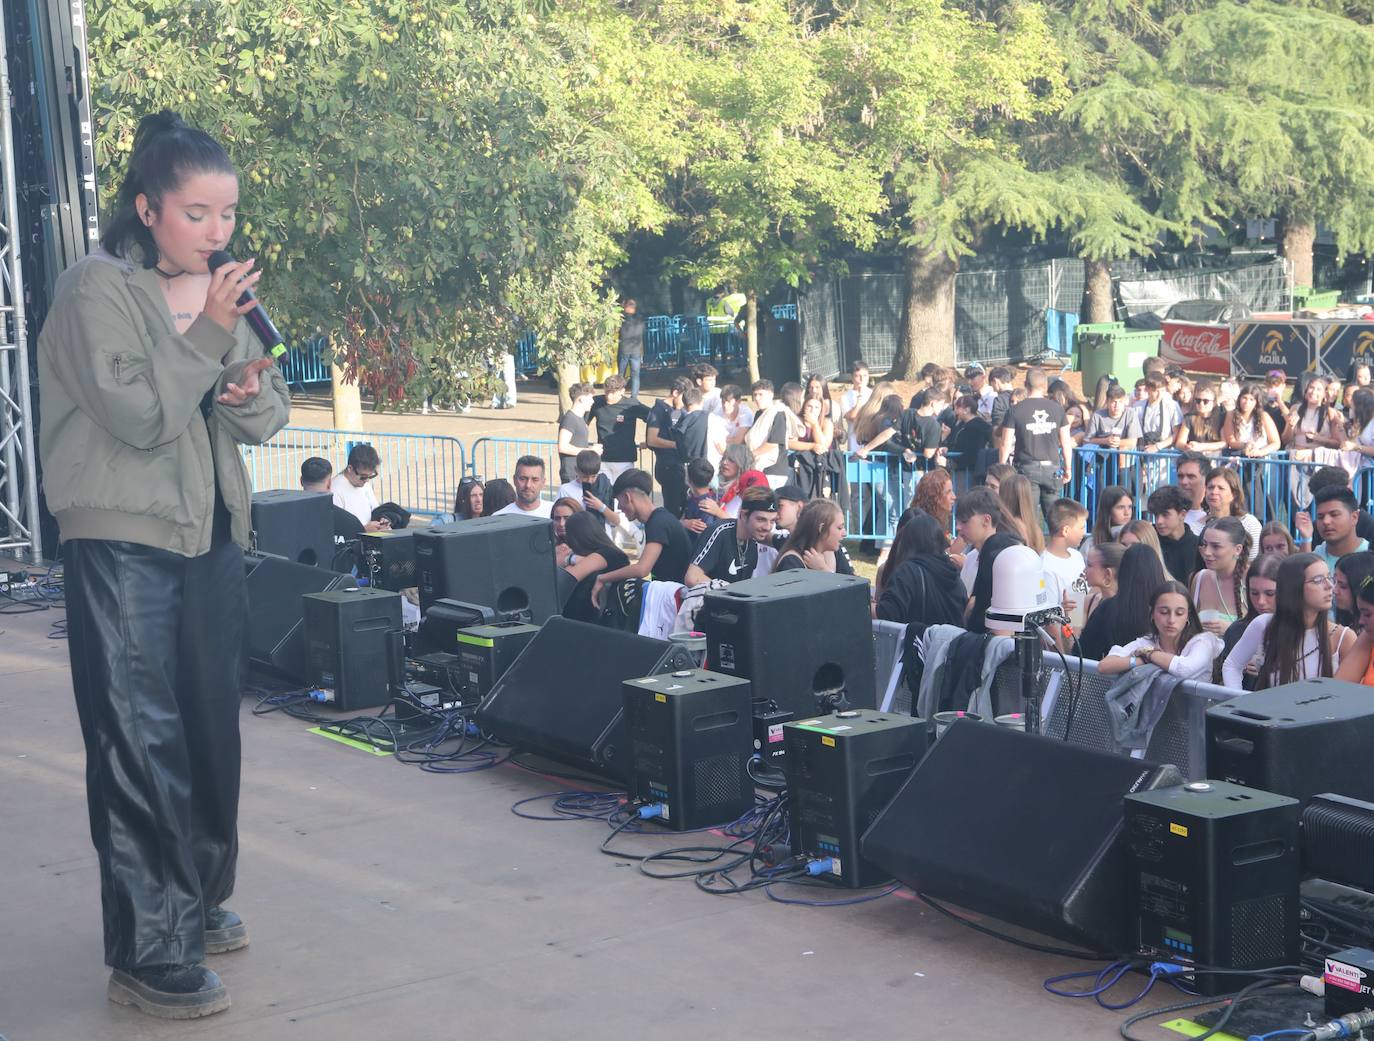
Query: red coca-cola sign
[[1198, 347]]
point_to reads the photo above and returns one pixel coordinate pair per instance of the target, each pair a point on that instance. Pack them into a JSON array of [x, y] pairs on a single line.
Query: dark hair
[[1140, 574], [314, 470], [1357, 568], [497, 494], [1064, 512], [679, 384], [751, 500], [462, 502], [613, 383], [580, 390], [529, 462], [1192, 627], [1200, 427], [587, 462], [1106, 502], [633, 480], [859, 365], [165, 152], [691, 396], [815, 516], [1361, 410], [703, 370], [921, 535], [1153, 364], [1201, 461], [1112, 552], [1000, 373], [1324, 477], [1234, 530], [700, 472], [363, 454], [1287, 632], [730, 392], [761, 385], [968, 402], [1341, 495], [585, 533], [985, 500], [1231, 479], [1277, 528], [1114, 390], [1168, 497], [1298, 400], [792, 395], [999, 470]]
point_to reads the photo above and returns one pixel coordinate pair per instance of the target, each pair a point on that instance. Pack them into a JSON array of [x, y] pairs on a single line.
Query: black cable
[[1233, 1002], [1063, 952]]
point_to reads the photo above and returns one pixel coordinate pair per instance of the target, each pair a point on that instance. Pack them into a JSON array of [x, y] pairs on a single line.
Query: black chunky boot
[[224, 931], [170, 991]]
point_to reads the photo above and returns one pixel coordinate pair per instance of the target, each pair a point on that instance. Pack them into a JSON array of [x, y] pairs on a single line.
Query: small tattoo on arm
[[183, 316]]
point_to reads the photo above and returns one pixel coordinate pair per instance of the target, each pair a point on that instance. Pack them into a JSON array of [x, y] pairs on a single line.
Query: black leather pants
[[155, 642]]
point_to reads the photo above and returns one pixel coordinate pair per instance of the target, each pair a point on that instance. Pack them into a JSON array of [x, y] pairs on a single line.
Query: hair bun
[[155, 125]]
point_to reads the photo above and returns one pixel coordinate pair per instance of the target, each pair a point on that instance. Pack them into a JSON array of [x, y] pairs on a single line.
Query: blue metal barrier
[[417, 471], [494, 457], [306, 363], [527, 356], [1273, 485], [880, 487]]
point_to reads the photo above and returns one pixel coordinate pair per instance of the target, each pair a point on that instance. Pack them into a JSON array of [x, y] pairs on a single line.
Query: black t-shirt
[[690, 435], [982, 582], [577, 426], [918, 432], [665, 529], [720, 555], [663, 418], [579, 605], [791, 562], [1036, 422], [777, 435], [632, 336], [842, 562], [615, 427], [1180, 554], [967, 442]]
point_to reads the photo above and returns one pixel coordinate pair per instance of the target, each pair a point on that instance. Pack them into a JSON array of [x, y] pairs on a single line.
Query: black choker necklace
[[164, 274]]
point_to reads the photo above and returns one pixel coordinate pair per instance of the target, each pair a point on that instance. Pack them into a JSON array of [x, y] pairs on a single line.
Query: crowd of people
[[1188, 579]]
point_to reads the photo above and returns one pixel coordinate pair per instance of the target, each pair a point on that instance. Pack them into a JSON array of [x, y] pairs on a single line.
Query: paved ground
[[388, 903]]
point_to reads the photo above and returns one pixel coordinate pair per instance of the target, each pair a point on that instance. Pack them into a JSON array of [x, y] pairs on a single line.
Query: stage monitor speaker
[[353, 645], [1213, 878], [1300, 740], [388, 559], [1021, 827], [691, 737], [276, 639], [505, 563], [794, 635], [841, 770], [562, 697], [295, 524], [442, 622]]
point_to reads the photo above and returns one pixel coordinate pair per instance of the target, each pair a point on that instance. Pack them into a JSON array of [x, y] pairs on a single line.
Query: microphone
[[257, 318]]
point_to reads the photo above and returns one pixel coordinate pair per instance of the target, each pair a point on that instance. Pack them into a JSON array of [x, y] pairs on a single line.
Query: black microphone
[[257, 318]]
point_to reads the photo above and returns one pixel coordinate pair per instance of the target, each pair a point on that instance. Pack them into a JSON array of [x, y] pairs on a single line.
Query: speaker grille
[[1257, 932], [717, 779]]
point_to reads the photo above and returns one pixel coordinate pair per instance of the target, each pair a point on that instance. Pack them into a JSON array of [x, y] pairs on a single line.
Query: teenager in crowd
[[1226, 498], [1307, 535], [1142, 532], [1248, 430], [1311, 426], [574, 435], [1101, 567], [1357, 664], [562, 509], [1035, 439], [734, 550], [1298, 640], [466, 504], [967, 441], [667, 549], [739, 417], [774, 427], [1200, 430], [591, 554], [1360, 428], [811, 450], [918, 585], [1274, 538], [1160, 416], [670, 469], [1219, 588], [1115, 509], [986, 527], [497, 494], [1351, 572], [1018, 497], [699, 477], [1125, 616], [1177, 543], [1115, 424], [1260, 586], [1076, 410], [1176, 642], [1275, 383], [997, 473], [853, 399], [613, 417], [1337, 512], [1068, 523], [815, 540]]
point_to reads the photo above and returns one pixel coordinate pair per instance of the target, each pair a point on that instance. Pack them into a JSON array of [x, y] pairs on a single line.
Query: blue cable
[[833, 903], [1108, 978], [1279, 1033]]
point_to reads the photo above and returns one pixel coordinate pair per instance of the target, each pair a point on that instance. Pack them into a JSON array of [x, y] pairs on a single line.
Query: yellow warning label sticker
[[1178, 829], [828, 741], [661, 697]]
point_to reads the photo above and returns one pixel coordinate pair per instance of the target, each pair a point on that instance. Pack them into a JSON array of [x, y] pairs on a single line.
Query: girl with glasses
[[1297, 641]]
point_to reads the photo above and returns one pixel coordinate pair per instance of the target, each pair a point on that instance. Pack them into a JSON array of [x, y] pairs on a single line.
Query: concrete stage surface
[[385, 902]]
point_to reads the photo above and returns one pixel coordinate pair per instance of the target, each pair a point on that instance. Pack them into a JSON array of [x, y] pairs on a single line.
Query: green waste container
[[1305, 298], [1109, 348]]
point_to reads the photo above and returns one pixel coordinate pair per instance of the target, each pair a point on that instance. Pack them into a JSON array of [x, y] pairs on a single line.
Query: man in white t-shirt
[[853, 399], [529, 489], [1190, 473], [352, 486]]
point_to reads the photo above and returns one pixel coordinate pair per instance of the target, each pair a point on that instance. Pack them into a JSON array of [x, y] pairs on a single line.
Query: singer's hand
[[226, 286], [249, 384]]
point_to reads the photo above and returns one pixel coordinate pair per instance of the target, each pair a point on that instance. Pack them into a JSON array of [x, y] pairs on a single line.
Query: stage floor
[[385, 902]]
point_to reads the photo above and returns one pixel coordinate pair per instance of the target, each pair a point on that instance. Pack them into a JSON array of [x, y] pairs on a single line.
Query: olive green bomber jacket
[[126, 452]]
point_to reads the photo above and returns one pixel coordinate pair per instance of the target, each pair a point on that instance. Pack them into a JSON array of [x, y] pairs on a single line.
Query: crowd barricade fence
[[418, 471]]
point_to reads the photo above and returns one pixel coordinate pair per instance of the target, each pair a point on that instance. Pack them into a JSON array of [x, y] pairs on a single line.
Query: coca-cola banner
[[1341, 343], [1258, 347], [1198, 347]]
